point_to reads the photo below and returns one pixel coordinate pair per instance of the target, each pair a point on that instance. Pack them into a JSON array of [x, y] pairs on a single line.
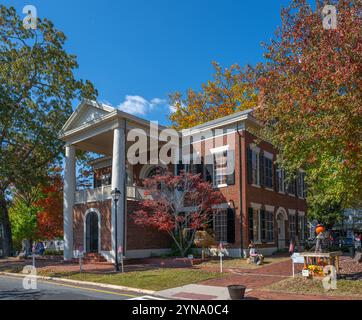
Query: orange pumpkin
[[319, 229]]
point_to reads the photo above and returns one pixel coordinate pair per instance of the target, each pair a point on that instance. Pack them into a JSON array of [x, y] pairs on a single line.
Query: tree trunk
[[4, 219]]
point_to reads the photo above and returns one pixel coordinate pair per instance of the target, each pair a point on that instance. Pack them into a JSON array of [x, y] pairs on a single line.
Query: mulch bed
[[350, 269]]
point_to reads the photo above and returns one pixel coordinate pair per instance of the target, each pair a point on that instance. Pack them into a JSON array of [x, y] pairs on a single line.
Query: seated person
[[254, 254]]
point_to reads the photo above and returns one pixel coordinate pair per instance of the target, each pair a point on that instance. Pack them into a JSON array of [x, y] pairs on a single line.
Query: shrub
[[50, 252]]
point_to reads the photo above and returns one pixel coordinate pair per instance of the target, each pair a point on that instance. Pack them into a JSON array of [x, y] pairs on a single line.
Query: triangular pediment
[[87, 112]]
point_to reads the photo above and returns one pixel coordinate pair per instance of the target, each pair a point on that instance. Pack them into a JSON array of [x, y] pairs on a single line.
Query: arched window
[[149, 171]]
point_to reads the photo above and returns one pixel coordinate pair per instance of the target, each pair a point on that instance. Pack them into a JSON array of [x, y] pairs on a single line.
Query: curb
[[94, 284]]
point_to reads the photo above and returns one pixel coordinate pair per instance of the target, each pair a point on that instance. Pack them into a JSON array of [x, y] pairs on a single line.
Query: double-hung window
[[292, 226], [220, 168], [254, 219], [281, 180], [220, 226], [301, 188], [269, 226], [302, 225], [268, 169]]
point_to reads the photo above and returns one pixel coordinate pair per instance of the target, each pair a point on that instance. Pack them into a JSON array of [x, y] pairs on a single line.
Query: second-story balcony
[[104, 193]]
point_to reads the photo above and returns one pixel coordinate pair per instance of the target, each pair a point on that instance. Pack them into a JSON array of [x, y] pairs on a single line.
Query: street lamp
[[116, 194]]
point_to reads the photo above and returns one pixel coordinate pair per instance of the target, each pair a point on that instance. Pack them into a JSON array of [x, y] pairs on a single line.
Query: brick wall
[[262, 195], [138, 237]]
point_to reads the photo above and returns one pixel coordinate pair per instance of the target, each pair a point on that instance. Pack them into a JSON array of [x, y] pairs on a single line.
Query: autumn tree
[[179, 205], [230, 91], [310, 101], [37, 90], [50, 209]]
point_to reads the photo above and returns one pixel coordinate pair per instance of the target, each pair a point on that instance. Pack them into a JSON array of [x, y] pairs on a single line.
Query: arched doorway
[[92, 232], [281, 216]]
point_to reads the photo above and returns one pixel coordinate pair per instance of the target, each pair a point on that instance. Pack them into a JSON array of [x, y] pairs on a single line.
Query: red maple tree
[[179, 205], [50, 215]]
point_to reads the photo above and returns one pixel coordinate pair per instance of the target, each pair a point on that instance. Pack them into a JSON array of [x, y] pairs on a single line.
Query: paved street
[[11, 288]]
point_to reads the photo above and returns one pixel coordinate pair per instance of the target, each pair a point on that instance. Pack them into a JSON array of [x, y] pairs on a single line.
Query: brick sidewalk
[[256, 278], [270, 295]]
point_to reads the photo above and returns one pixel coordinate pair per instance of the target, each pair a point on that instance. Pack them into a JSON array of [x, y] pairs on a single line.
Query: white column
[[119, 182], [69, 190]]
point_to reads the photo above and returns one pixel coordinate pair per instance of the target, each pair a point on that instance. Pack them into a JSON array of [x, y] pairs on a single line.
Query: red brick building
[[260, 205]]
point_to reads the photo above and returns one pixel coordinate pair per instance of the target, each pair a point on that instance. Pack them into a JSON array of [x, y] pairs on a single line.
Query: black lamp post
[[116, 194]]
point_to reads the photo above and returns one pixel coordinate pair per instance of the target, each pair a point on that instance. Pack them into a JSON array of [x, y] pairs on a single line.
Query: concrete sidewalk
[[196, 292]]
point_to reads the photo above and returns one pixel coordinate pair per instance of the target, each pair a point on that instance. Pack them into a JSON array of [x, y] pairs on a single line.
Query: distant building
[[351, 223]]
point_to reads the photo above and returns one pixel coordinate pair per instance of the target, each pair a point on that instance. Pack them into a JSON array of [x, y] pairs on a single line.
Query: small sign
[[305, 273], [190, 256], [120, 249], [297, 258]]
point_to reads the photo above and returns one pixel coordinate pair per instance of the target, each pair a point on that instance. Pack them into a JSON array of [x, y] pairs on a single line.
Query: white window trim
[[268, 155], [219, 149], [224, 185], [301, 213], [255, 206], [254, 148], [292, 212], [221, 206], [269, 189], [269, 208]]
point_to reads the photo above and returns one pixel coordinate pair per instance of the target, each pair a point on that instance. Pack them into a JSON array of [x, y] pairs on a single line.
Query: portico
[[100, 129]]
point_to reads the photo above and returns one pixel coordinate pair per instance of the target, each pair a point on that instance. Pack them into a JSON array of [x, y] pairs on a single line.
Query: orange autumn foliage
[[50, 216]]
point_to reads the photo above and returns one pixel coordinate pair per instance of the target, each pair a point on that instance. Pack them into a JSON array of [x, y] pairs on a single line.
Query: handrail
[[104, 193]]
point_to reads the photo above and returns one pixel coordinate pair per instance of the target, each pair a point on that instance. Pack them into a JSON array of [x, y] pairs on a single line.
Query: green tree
[[23, 219], [37, 91], [310, 101]]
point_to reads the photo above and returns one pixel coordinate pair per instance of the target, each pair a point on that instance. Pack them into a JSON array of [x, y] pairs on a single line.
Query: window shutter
[[249, 164], [210, 224], [230, 179], [251, 224], [262, 225], [179, 168], [199, 169], [276, 178], [262, 170], [230, 225], [209, 169]]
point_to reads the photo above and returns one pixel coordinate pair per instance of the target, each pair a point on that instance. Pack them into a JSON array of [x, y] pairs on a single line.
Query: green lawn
[[301, 285], [159, 279], [241, 263]]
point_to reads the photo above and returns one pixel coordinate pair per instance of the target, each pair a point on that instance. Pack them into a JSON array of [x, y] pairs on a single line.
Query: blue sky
[[136, 52]]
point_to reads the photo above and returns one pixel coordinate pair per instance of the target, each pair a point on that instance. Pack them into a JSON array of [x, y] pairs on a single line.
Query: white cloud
[[172, 109], [157, 101], [138, 105]]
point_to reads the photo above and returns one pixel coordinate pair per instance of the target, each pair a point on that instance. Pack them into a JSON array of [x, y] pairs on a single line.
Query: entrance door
[[281, 232], [92, 232]]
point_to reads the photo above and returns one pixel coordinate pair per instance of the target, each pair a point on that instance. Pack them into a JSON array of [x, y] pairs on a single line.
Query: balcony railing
[[104, 193]]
